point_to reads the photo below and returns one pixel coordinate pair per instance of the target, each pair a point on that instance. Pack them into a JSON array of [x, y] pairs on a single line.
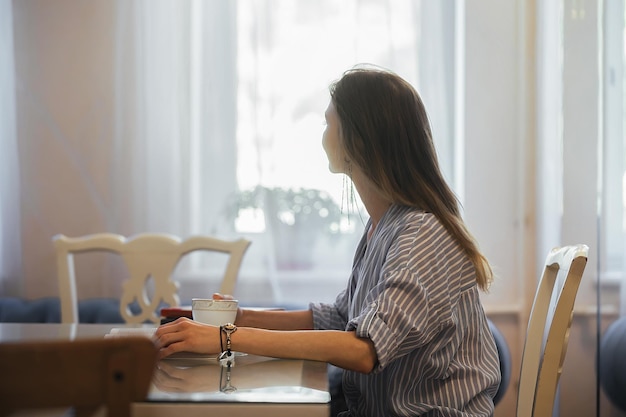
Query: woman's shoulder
[[412, 231], [420, 242], [403, 230], [410, 220]]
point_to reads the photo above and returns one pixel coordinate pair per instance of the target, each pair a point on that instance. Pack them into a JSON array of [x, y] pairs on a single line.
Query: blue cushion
[[48, 310], [612, 363], [505, 361], [18, 310], [99, 310]]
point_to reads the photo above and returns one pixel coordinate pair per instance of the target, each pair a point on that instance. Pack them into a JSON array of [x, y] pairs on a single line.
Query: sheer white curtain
[[153, 116], [571, 158], [175, 114], [221, 97], [10, 253], [550, 130], [151, 146]]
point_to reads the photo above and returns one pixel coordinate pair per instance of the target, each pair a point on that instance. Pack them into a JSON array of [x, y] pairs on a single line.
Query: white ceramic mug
[[215, 312]]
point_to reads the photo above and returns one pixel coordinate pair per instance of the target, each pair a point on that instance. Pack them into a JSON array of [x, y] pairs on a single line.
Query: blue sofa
[[48, 310]]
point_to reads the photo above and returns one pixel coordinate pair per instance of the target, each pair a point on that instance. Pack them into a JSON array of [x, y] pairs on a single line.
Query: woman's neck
[[373, 200]]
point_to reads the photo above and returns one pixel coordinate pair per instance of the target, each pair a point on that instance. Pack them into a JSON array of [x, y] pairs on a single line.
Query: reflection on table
[[198, 385], [251, 379]]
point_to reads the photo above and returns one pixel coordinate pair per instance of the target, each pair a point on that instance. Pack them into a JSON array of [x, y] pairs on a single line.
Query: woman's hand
[[173, 378], [185, 335], [218, 296]]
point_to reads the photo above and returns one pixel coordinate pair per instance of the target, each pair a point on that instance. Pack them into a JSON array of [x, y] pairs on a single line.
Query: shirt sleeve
[[397, 317], [330, 316]]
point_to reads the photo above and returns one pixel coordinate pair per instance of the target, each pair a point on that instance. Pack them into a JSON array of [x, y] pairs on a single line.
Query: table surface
[[256, 384]]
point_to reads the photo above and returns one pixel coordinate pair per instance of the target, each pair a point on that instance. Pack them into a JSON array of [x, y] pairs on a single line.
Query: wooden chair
[[86, 374], [548, 330], [145, 255]]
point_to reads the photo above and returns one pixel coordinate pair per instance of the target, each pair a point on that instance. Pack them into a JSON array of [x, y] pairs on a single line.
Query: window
[[302, 219]]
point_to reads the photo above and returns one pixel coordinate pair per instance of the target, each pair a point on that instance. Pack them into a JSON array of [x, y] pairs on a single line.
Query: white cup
[[215, 312]]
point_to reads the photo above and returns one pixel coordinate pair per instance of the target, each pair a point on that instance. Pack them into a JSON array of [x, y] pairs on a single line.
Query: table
[[196, 385]]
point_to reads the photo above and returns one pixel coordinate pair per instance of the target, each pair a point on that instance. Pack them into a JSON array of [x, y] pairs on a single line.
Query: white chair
[[548, 330], [145, 255]]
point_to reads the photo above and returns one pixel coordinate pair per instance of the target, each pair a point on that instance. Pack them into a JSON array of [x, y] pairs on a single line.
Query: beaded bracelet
[[227, 358]]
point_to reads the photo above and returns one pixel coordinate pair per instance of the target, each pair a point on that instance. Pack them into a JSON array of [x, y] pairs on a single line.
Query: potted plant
[[297, 218]]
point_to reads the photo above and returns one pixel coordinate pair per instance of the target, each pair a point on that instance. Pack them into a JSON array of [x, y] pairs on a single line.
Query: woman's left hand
[[174, 378], [185, 335]]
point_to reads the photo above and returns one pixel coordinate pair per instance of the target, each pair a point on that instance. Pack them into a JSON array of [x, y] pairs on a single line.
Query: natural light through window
[[281, 110], [305, 221]]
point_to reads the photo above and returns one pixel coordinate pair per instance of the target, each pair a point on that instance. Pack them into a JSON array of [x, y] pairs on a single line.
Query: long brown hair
[[385, 131]]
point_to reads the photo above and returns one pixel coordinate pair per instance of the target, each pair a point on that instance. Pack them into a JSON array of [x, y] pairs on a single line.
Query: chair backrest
[[548, 330], [86, 374], [147, 255]]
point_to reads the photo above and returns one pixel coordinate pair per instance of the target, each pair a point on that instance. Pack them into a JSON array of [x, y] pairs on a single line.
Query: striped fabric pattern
[[412, 291]]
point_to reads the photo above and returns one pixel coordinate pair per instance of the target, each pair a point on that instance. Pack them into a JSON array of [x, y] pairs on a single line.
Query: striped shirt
[[413, 293]]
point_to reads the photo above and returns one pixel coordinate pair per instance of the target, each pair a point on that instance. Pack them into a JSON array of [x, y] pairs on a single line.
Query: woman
[[409, 330]]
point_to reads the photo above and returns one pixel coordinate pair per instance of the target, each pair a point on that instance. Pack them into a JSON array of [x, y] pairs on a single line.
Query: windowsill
[[612, 279], [287, 288], [264, 274]]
